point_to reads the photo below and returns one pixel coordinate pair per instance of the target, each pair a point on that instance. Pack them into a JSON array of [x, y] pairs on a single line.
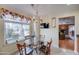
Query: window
[[26, 29], [16, 31]]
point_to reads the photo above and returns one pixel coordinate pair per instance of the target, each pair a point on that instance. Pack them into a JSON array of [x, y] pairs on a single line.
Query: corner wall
[[53, 32]]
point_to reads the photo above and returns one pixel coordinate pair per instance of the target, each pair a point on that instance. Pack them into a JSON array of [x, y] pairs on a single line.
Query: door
[[67, 33]]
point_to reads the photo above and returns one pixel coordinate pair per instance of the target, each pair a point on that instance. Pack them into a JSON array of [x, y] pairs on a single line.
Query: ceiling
[[43, 9]]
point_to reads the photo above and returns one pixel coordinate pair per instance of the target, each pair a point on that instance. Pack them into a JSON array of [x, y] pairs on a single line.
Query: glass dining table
[[27, 51]]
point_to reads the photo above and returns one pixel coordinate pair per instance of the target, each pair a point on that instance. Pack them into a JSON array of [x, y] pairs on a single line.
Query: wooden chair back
[[20, 48], [48, 49]]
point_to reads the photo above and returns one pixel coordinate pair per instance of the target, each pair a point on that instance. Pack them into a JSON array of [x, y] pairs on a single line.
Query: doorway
[[67, 32]]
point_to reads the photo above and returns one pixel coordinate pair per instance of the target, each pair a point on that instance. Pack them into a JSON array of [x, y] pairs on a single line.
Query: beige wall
[[4, 47]]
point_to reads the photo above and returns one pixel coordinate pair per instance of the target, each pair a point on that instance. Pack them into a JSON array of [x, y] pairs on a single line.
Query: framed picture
[[54, 21]]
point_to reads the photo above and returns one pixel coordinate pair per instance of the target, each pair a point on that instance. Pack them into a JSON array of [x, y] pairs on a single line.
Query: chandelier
[[36, 11]]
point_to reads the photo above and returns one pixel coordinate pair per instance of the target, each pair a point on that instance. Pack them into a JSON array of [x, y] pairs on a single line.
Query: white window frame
[[22, 23]]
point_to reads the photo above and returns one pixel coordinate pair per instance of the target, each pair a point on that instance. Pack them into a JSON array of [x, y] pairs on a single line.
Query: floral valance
[[8, 15]]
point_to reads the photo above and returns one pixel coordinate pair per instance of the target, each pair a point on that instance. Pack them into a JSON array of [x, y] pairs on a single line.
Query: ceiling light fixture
[[36, 11], [35, 8]]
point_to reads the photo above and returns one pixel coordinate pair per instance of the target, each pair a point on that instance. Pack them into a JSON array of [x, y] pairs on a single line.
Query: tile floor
[[56, 51]]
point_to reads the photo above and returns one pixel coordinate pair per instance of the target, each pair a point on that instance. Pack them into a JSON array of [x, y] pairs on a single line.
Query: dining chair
[[23, 49], [42, 48], [48, 48], [19, 47]]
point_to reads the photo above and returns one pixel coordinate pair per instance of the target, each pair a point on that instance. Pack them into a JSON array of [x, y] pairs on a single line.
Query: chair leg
[[21, 53], [25, 51], [36, 50]]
